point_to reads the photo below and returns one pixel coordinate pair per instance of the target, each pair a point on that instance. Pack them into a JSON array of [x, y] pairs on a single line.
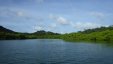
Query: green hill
[[2, 29], [97, 29], [9, 34], [96, 34]]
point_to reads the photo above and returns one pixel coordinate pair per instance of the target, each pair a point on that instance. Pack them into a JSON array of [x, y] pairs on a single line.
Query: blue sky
[[62, 16]]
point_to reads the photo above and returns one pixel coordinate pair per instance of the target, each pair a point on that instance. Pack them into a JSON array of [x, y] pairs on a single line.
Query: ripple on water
[[54, 52]]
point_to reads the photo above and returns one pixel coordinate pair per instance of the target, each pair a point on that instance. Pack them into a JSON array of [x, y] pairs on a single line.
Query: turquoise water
[[54, 51]]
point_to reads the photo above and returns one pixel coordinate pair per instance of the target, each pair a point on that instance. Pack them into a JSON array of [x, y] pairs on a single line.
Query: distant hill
[[96, 34], [3, 29], [6, 34], [42, 32], [87, 31]]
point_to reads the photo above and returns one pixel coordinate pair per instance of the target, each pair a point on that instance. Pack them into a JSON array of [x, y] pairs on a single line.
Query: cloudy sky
[[62, 16]]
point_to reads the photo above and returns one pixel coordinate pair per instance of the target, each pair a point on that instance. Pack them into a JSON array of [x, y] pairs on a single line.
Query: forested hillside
[[97, 34], [9, 34], [2, 29], [97, 29]]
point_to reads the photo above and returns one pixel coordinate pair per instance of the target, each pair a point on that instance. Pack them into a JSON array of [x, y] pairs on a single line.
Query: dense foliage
[[97, 29], [2, 29], [9, 34], [97, 34]]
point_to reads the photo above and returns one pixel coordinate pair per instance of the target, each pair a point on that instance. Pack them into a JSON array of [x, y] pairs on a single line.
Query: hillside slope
[[97, 34]]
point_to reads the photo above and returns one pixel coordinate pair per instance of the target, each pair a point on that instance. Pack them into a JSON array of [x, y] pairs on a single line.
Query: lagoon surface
[[54, 51]]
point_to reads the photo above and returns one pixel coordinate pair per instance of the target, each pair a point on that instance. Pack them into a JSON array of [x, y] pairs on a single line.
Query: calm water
[[52, 51]]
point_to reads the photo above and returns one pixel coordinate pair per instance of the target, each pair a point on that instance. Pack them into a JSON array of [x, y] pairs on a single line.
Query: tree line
[[96, 34], [7, 34]]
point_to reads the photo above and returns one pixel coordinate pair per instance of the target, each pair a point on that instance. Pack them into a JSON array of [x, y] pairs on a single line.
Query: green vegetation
[[43, 35], [97, 34], [6, 34]]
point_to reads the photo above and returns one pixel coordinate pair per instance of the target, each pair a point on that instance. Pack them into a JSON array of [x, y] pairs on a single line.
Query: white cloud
[[20, 13], [62, 32], [51, 16], [38, 28], [15, 14], [85, 25], [59, 19], [53, 25], [62, 20], [11, 12], [50, 27], [78, 25]]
